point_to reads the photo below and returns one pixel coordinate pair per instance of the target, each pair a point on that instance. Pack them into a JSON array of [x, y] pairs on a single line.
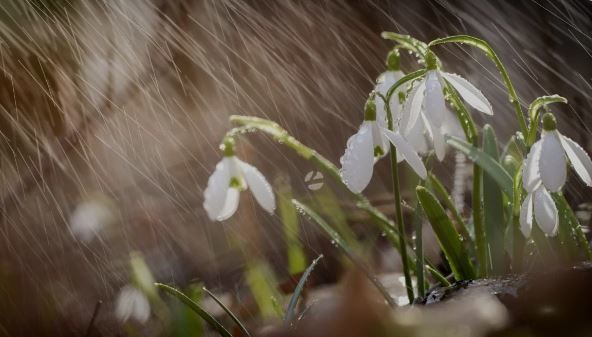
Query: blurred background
[[111, 113]]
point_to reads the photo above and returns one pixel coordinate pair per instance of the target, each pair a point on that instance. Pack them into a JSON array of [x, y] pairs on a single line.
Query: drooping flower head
[[231, 177], [369, 144], [426, 104], [384, 82], [545, 170], [132, 303]]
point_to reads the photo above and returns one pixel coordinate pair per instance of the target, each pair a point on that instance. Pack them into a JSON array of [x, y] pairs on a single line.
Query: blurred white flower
[[232, 176], [89, 218], [426, 104], [370, 142], [545, 170], [132, 303]]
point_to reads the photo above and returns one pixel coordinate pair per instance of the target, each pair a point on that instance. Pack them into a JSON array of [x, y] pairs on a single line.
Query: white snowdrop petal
[[215, 192], [412, 107], [437, 139], [230, 204], [578, 158], [141, 311], [545, 211], [469, 93], [384, 83], [379, 139], [451, 125], [434, 104], [357, 162], [526, 216], [259, 186], [132, 303], [417, 138], [89, 218], [552, 164], [531, 177], [405, 150]]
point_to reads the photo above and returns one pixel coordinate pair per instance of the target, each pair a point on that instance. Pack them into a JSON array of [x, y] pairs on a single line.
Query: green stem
[[486, 48], [398, 209], [400, 223], [480, 237], [517, 237]]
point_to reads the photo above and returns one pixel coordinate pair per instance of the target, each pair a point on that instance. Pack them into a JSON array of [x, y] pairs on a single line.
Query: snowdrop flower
[[426, 102], [90, 217], [132, 303], [384, 82], [370, 142], [545, 171], [232, 176]]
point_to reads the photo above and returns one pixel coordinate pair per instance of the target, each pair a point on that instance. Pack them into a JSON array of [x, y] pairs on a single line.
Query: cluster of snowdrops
[[517, 204]]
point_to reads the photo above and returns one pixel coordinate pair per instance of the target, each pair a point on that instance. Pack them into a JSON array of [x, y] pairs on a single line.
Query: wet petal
[[358, 161], [434, 104], [412, 108], [384, 83], [526, 216], [405, 150], [132, 303], [259, 186], [451, 125], [417, 138], [469, 93], [215, 192], [437, 139], [545, 211], [552, 164], [531, 177], [230, 204], [578, 158]]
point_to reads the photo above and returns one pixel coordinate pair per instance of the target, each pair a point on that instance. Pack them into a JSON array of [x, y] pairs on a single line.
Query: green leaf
[[493, 207], [299, 287], [228, 312], [213, 322], [342, 245], [448, 237], [485, 161], [445, 198]]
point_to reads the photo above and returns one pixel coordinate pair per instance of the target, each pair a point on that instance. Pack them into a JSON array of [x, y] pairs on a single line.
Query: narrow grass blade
[[338, 242], [228, 312], [294, 300], [493, 206], [447, 235], [213, 322], [486, 162]]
